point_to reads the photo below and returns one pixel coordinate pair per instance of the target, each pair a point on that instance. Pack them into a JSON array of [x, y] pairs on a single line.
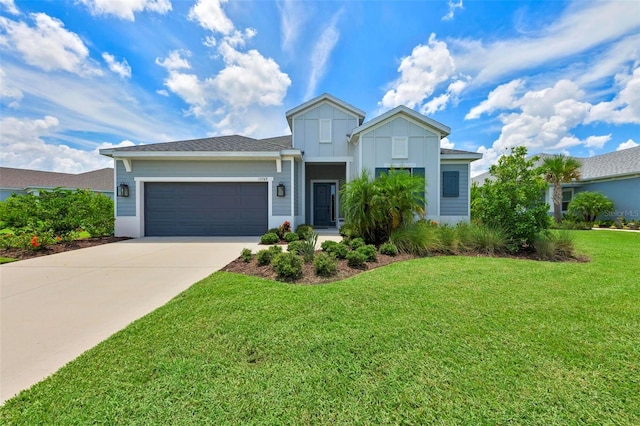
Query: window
[[325, 131], [450, 184], [567, 195], [399, 147]]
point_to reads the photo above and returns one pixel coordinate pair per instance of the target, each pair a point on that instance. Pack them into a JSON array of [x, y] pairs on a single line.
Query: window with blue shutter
[[450, 184]]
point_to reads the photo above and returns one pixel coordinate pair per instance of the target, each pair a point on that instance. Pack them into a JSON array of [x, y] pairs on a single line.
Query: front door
[[324, 201]]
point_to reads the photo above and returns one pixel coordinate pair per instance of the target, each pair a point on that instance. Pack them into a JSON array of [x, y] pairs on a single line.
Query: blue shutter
[[450, 184]]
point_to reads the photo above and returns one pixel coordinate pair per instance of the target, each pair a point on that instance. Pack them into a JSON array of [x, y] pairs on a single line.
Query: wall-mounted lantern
[[280, 190], [123, 190]]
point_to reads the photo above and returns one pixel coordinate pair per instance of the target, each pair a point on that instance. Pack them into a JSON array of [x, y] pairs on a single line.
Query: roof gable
[[325, 97], [397, 112]]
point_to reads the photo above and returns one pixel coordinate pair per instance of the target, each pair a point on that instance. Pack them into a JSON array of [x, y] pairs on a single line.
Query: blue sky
[[80, 75]]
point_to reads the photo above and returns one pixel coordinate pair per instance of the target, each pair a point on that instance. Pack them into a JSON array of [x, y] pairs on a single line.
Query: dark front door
[[324, 196]]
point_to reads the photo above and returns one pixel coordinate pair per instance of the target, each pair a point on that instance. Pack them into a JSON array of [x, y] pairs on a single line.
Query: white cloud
[[23, 146], [48, 45], [8, 91], [453, 5], [162, 92], [10, 6], [502, 97], [628, 144], [209, 14], [175, 60], [125, 9], [625, 107], [189, 88], [439, 103], [321, 52], [293, 18], [420, 73], [121, 68], [446, 143], [249, 78], [577, 30]]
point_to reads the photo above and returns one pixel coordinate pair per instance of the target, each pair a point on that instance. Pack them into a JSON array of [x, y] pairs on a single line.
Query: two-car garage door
[[205, 208]]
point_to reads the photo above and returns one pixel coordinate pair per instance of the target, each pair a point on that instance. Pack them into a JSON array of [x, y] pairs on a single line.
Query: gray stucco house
[[236, 185], [615, 174]]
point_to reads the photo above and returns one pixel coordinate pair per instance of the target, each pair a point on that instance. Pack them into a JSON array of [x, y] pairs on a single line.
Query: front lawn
[[446, 340]]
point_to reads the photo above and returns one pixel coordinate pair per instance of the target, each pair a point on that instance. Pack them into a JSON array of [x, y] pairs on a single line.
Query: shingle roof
[[455, 151], [623, 162], [97, 180], [233, 143]]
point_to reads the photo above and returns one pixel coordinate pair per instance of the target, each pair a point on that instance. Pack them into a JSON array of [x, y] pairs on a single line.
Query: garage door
[[205, 209]]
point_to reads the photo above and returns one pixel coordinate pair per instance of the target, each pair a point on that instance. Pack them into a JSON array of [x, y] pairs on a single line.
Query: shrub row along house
[[236, 185], [615, 174]]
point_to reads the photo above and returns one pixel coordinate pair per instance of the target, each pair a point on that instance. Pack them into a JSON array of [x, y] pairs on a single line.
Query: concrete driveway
[[54, 308]]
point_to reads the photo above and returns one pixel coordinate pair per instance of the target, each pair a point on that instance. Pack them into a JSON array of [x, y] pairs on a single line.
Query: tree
[[373, 208], [511, 200], [589, 205], [557, 170]]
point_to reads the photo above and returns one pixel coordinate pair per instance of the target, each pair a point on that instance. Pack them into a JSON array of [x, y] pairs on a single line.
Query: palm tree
[[557, 170]]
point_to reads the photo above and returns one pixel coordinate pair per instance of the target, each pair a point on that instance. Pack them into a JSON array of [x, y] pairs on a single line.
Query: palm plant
[[360, 212], [402, 197], [557, 170]]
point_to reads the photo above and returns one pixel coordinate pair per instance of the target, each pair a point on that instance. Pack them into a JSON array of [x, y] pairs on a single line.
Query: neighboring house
[[24, 181], [236, 185], [615, 174]]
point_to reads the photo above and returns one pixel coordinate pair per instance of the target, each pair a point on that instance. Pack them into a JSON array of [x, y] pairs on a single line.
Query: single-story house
[[615, 174], [25, 181], [236, 185]]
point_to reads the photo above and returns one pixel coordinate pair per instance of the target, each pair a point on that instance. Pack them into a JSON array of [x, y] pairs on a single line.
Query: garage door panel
[[203, 208]]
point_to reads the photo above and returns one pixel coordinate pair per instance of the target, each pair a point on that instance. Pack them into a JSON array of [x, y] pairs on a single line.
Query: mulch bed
[[308, 273], [61, 247]]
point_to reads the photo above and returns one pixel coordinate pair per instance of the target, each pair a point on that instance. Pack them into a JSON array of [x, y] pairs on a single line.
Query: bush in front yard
[[339, 250], [389, 249], [246, 255], [356, 260], [291, 236], [288, 266], [325, 265], [269, 238], [295, 247], [304, 231], [370, 251], [356, 242], [264, 257]]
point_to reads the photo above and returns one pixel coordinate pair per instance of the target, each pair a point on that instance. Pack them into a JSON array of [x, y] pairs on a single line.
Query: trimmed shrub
[[338, 250], [273, 231], [369, 251], [325, 265], [295, 247], [327, 245], [356, 242], [356, 260], [246, 255], [269, 238], [304, 231], [291, 236], [288, 266], [264, 257], [389, 249]]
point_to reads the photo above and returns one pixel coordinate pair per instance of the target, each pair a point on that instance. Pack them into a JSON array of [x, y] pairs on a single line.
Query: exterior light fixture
[[280, 192], [123, 190]]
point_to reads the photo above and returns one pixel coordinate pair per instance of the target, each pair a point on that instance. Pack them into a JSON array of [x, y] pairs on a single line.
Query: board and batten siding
[[455, 206], [306, 131], [203, 169], [423, 152]]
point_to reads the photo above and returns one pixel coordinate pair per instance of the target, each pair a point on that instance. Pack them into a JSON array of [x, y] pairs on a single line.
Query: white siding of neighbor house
[[204, 169], [424, 151], [306, 130], [456, 206]]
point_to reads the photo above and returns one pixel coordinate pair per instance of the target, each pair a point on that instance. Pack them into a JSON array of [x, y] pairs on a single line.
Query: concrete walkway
[[54, 308]]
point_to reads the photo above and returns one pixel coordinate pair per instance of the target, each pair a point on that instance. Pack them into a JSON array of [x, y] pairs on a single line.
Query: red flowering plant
[[35, 244], [284, 228]]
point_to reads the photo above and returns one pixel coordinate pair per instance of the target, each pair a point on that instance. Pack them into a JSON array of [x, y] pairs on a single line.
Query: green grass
[[444, 340], [6, 260]]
